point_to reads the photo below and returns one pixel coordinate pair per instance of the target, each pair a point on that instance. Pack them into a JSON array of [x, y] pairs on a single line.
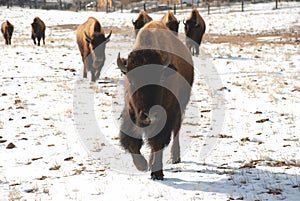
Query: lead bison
[[91, 42], [38, 30], [7, 30], [142, 19], [194, 28], [171, 22], [159, 73]]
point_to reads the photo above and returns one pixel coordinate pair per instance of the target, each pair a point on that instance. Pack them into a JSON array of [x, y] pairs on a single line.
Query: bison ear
[[87, 38], [107, 38], [121, 65]]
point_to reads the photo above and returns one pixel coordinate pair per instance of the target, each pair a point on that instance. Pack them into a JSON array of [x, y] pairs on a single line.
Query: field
[[241, 133]]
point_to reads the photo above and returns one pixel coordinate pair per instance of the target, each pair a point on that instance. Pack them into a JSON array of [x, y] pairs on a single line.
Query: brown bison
[[91, 42], [142, 19], [7, 30], [171, 22], [38, 30], [159, 73], [194, 28]]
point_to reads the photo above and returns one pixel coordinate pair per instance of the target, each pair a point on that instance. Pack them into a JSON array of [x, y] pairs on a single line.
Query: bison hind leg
[[43, 39], [175, 149]]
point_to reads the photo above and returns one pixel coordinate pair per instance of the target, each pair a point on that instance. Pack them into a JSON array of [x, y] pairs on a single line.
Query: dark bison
[[171, 22], [7, 30], [194, 28], [91, 42], [163, 59], [38, 30], [142, 19]]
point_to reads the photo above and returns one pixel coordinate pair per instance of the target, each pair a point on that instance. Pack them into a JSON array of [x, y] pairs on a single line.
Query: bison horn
[[109, 35], [168, 60], [133, 22], [120, 64], [183, 21], [87, 38]]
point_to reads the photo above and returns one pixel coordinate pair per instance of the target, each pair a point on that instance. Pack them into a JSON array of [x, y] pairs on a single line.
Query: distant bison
[[38, 30], [7, 30], [159, 57], [142, 19], [194, 28], [91, 43], [171, 22]]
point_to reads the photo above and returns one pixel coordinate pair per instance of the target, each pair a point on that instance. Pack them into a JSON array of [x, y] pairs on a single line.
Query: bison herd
[[164, 60]]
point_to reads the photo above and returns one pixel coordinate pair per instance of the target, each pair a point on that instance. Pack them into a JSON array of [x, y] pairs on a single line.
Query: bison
[[159, 73], [194, 28], [142, 19], [38, 30], [7, 30], [91, 42], [171, 22]]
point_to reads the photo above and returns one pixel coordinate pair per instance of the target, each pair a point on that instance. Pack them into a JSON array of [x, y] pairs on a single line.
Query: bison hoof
[[176, 160], [157, 175], [140, 162]]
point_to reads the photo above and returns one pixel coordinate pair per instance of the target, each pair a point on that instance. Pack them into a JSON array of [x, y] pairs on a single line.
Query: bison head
[[97, 43], [35, 27], [144, 70], [192, 29], [173, 26], [138, 24]]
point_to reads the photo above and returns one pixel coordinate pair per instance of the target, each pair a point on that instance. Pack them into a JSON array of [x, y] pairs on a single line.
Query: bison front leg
[[33, 38], [94, 76], [156, 165], [87, 62], [6, 41], [197, 49], [132, 142], [133, 146], [39, 41], [157, 144]]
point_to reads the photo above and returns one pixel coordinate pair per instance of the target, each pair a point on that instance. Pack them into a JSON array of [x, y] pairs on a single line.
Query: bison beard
[[136, 111]]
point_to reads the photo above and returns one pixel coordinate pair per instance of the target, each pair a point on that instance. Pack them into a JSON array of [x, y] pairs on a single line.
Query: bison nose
[[144, 118]]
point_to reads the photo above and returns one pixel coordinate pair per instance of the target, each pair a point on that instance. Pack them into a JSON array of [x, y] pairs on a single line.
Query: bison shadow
[[249, 183]]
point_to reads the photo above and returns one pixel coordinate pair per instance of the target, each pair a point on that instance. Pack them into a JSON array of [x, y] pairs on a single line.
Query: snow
[[240, 135]]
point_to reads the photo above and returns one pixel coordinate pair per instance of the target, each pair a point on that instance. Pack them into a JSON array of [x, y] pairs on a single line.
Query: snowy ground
[[240, 136]]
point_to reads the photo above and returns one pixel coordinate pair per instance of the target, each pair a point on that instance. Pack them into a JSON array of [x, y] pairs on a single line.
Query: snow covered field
[[241, 133]]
